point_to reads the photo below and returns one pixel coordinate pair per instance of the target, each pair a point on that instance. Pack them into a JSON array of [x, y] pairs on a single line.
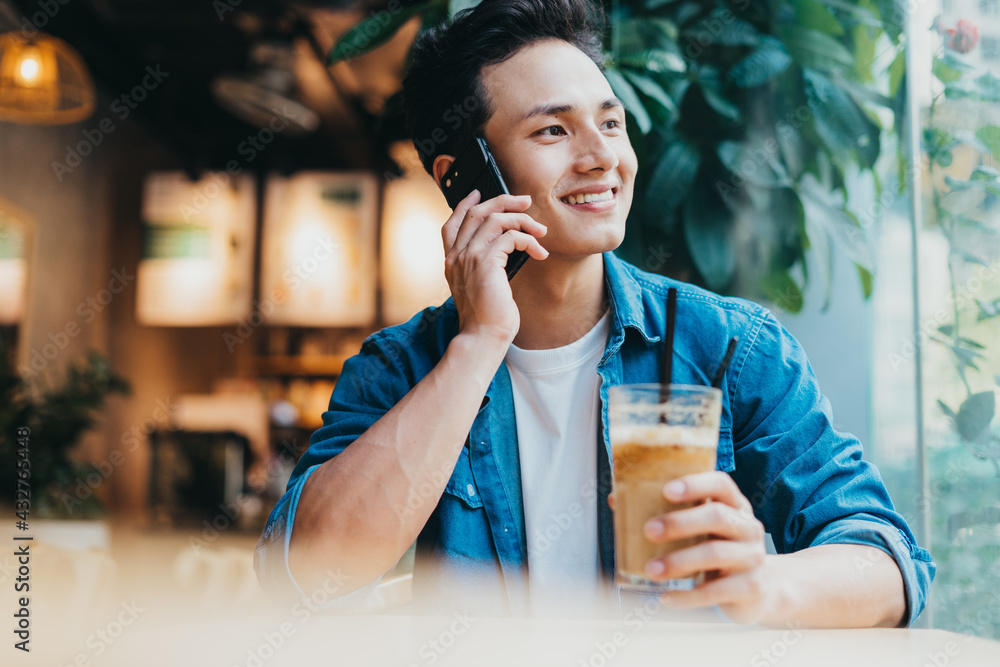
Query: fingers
[[499, 225], [733, 593], [485, 214], [711, 519], [449, 231], [512, 240], [724, 555], [713, 485], [611, 500]]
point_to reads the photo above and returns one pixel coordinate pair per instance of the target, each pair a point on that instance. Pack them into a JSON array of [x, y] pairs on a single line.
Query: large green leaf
[[626, 93], [707, 231], [975, 415], [671, 179], [755, 160], [811, 48], [711, 90], [858, 12], [990, 136], [812, 14], [867, 281], [723, 28], [822, 207], [839, 121], [984, 88], [764, 63], [374, 31], [896, 71], [655, 60], [864, 53], [666, 109], [782, 291]]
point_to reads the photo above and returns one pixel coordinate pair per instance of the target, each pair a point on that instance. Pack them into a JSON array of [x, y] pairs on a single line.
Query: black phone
[[475, 169]]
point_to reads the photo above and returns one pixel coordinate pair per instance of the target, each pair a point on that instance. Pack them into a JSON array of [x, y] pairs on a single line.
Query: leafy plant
[[958, 206], [56, 417], [749, 120], [965, 472]]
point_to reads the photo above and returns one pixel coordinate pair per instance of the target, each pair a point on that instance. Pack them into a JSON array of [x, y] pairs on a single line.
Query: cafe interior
[[206, 207]]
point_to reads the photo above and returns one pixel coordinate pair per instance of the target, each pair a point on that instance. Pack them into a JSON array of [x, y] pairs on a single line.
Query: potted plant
[[55, 417]]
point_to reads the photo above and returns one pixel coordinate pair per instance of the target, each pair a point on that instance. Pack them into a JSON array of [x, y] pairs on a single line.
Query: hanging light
[[43, 81]]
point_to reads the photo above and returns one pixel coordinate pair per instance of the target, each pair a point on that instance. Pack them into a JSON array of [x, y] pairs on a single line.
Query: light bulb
[[29, 69]]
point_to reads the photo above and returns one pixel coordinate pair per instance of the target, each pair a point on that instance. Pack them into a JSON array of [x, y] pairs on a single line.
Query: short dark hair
[[443, 98]]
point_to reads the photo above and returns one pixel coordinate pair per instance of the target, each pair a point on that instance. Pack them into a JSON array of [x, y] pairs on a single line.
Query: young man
[[479, 428]]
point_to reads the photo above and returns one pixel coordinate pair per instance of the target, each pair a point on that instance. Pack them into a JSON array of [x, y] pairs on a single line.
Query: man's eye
[[552, 131], [613, 124]]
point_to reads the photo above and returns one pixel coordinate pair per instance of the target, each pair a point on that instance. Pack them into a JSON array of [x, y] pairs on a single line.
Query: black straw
[[667, 370], [726, 360]]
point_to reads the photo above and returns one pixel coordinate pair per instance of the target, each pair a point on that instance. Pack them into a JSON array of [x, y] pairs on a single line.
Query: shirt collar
[[626, 298]]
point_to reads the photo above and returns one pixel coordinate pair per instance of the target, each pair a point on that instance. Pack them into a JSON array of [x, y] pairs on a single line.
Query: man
[[477, 426]]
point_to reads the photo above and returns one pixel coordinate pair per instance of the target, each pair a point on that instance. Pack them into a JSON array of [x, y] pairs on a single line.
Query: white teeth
[[607, 195]]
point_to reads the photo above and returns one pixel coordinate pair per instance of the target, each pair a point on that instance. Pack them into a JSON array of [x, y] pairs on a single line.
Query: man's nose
[[595, 152]]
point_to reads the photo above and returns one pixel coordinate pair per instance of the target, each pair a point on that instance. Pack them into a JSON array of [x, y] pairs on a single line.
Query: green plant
[[750, 120], [56, 417], [959, 207], [965, 463]]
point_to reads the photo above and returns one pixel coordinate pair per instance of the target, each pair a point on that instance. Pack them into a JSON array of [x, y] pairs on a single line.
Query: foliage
[[747, 118], [966, 512], [959, 208], [57, 418]]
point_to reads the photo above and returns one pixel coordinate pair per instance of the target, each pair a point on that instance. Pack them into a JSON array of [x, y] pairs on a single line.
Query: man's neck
[[560, 300]]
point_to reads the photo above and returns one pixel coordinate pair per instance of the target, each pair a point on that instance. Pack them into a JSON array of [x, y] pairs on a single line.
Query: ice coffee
[[656, 437]]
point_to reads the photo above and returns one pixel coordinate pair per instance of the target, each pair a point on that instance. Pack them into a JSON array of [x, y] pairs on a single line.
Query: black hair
[[443, 98]]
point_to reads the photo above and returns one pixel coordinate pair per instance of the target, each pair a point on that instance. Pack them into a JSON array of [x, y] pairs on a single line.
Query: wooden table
[[231, 639]]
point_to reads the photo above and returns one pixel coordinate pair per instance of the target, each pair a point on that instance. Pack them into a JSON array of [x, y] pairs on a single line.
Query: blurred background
[[206, 207]]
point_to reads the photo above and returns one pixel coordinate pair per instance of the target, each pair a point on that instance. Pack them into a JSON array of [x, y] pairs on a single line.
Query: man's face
[[558, 133]]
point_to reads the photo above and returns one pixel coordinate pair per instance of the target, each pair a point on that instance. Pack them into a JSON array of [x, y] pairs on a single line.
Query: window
[[991, 48]]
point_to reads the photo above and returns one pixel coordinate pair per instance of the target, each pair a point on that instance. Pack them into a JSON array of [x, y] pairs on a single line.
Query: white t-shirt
[[556, 404]]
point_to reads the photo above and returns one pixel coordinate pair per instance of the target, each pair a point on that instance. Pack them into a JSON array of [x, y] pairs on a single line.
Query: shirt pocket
[[724, 454], [461, 486]]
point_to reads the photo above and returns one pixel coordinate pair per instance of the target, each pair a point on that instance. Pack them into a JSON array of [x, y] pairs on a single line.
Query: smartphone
[[475, 169]]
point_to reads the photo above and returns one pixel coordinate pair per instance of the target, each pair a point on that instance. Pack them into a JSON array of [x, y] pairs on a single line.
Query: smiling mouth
[[589, 198]]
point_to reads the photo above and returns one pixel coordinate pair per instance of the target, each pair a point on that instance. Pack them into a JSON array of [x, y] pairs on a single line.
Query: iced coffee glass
[[656, 437]]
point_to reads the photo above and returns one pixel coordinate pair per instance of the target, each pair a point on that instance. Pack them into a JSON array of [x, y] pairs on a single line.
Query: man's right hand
[[477, 241]]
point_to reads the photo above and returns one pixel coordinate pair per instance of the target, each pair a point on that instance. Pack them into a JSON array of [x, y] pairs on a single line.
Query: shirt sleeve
[[808, 483], [370, 384]]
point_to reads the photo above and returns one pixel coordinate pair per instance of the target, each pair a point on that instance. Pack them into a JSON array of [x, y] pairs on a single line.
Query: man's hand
[[477, 240], [733, 557]]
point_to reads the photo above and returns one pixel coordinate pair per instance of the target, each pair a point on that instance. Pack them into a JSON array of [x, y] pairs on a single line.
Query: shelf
[[325, 365]]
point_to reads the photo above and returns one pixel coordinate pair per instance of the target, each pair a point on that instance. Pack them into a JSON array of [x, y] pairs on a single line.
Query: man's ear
[[442, 163]]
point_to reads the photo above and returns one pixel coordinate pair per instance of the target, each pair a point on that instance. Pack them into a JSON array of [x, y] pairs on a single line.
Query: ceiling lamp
[[43, 81]]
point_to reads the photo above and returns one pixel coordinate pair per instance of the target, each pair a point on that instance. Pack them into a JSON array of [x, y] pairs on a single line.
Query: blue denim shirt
[[807, 482]]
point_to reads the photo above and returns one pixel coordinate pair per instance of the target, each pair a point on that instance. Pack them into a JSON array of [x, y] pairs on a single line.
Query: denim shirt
[[807, 482]]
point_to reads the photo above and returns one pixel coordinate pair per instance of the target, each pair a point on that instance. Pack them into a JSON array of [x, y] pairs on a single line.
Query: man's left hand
[[738, 579]]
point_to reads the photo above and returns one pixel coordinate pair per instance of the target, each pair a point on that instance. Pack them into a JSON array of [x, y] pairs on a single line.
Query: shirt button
[[471, 490]]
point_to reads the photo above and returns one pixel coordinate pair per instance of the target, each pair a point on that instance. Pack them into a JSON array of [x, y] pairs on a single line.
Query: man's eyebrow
[[556, 109]]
